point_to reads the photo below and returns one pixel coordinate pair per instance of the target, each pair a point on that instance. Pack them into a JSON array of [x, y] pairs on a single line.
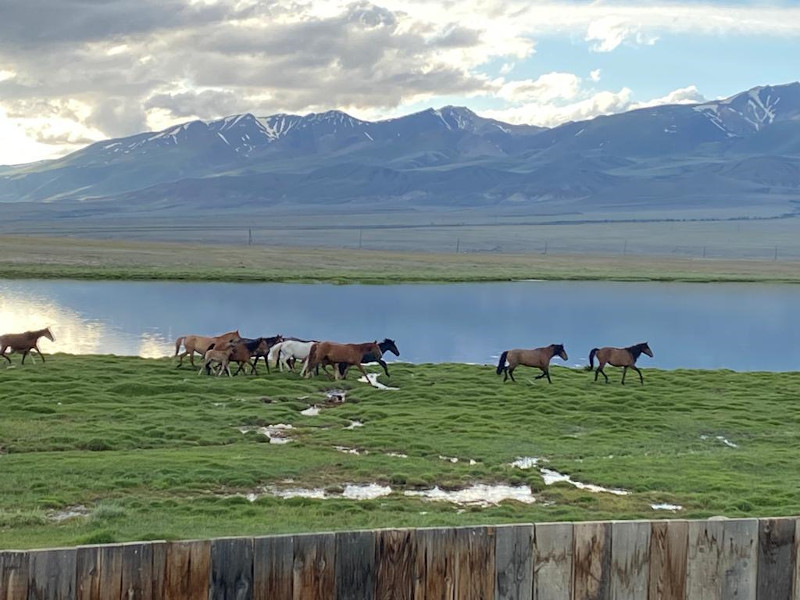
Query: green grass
[[148, 451]]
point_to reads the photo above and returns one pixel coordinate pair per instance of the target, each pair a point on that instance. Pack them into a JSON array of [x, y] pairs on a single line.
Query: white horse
[[288, 350]]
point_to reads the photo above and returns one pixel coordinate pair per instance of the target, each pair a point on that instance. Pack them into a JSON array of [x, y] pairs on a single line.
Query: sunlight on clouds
[[687, 95], [595, 75], [608, 33], [547, 88]]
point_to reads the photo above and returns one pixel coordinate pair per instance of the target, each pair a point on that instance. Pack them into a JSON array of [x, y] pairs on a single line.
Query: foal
[[619, 357], [538, 357], [24, 342]]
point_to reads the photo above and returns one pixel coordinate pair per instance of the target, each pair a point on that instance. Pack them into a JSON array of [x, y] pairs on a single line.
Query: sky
[[73, 72]]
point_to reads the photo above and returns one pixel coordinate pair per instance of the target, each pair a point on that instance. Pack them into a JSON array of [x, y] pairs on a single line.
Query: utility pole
[[360, 237], [249, 237]]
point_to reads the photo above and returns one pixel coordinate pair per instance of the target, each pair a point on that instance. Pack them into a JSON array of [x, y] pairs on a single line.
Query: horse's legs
[[366, 376], [382, 363], [641, 379], [39, 352], [3, 354], [600, 370], [24, 354], [624, 371], [241, 368], [545, 373], [510, 371]]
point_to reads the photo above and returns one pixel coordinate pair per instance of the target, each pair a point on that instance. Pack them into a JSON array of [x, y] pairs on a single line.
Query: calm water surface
[[741, 327]]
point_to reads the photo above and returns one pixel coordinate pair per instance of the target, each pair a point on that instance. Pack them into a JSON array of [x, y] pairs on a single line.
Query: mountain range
[[735, 157]]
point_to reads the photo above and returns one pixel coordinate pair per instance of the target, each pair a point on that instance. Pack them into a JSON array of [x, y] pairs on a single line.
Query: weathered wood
[[355, 565], [475, 564], [273, 564], [592, 561], [87, 576], [553, 561], [630, 559], [435, 564], [313, 571], [775, 559], [739, 559], [188, 571], [514, 562], [137, 572], [13, 575], [395, 553], [159, 573], [231, 569], [703, 560], [668, 547], [51, 574]]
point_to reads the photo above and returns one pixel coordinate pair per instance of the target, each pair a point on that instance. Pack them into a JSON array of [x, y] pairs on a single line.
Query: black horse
[[386, 345], [260, 353]]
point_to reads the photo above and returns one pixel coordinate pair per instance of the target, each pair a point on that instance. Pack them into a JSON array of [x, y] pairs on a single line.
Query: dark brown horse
[[200, 344], [619, 357], [538, 357], [331, 353], [24, 342]]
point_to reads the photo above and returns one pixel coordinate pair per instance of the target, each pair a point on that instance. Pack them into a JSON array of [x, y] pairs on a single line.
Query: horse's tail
[[502, 362], [178, 343], [591, 358]]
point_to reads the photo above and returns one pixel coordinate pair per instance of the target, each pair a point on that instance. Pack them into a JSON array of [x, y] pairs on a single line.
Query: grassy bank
[[140, 450], [41, 257]]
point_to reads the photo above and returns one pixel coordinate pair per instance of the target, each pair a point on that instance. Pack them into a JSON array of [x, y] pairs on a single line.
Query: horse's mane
[[636, 349]]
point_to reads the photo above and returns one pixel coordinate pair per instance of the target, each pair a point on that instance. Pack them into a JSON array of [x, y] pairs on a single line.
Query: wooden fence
[[742, 559]]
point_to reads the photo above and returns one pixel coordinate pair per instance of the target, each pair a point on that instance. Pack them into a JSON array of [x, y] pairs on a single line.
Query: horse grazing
[[200, 344], [619, 357], [331, 353], [24, 343], [538, 357], [386, 345]]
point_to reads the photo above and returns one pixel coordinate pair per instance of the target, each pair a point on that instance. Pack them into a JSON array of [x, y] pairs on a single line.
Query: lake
[[745, 327]]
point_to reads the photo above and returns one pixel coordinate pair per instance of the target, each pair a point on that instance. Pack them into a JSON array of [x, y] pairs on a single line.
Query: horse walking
[[619, 357], [538, 357], [24, 342], [331, 353], [386, 345], [200, 344], [285, 353]]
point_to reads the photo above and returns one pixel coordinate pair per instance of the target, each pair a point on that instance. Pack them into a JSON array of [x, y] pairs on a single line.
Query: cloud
[[595, 75], [547, 88], [608, 33], [686, 95]]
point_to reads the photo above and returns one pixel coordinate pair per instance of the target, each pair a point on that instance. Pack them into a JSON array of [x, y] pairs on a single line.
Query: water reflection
[[153, 345]]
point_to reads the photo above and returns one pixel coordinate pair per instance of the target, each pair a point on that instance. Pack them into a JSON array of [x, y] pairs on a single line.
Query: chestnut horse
[[619, 357], [200, 344], [538, 357], [386, 345], [331, 353], [24, 342]]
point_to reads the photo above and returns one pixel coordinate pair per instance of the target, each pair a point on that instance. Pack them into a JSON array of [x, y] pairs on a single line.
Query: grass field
[[43, 257], [141, 450]]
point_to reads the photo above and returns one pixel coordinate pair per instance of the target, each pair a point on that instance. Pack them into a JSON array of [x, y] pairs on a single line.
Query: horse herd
[[220, 351]]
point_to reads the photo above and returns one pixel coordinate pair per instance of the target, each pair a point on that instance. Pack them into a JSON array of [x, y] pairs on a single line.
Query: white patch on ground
[[335, 396], [354, 424], [451, 459], [550, 477], [71, 512], [666, 506], [722, 439], [311, 411], [478, 494], [527, 462], [368, 491], [315, 493], [397, 454], [275, 433], [373, 381], [347, 450]]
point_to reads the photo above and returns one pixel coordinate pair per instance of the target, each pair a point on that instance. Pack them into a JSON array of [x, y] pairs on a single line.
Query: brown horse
[[199, 344], [331, 353], [220, 355], [619, 357], [24, 342], [538, 357]]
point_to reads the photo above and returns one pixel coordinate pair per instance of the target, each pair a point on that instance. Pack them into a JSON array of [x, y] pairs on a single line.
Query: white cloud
[[686, 95], [607, 33], [595, 75], [547, 88]]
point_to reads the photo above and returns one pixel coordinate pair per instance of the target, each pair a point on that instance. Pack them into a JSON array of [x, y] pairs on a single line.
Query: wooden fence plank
[[703, 560], [775, 559], [475, 570], [13, 575], [159, 573], [630, 559], [553, 561], [188, 570], [668, 547], [231, 569], [739, 559], [51, 574], [592, 561], [87, 577], [355, 565], [514, 562], [273, 564], [313, 571], [395, 559], [137, 572], [435, 564]]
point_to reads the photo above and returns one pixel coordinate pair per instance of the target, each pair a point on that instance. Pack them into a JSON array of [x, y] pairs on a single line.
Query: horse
[[289, 350], [323, 353], [386, 345], [619, 357], [270, 341], [24, 342], [220, 355], [538, 357], [200, 344], [245, 349]]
